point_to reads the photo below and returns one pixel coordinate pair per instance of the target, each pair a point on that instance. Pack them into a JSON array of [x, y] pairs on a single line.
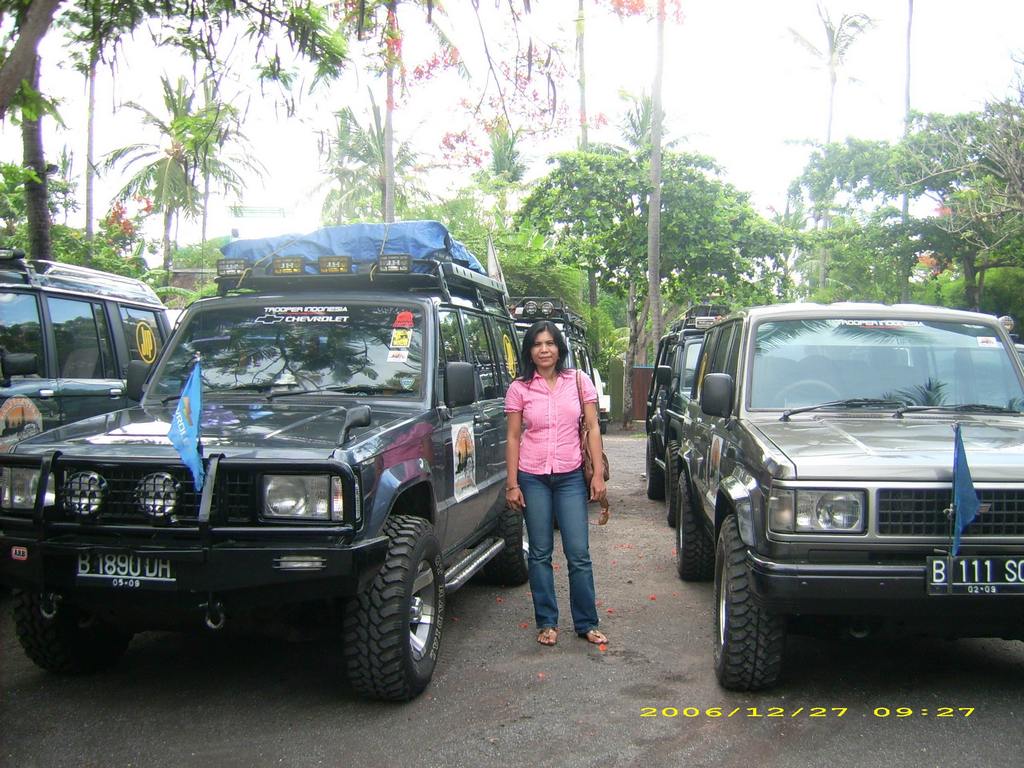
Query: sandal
[[595, 636], [548, 636]]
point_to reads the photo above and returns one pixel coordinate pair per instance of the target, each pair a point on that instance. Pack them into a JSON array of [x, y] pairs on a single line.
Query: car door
[[88, 376], [28, 404], [711, 435], [488, 420]]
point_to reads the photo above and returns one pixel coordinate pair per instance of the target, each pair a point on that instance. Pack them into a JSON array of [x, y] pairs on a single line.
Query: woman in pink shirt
[[545, 476]]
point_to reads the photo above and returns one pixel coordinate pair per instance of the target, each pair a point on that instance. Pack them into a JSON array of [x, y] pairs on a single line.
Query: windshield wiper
[[354, 389], [962, 408], [853, 402]]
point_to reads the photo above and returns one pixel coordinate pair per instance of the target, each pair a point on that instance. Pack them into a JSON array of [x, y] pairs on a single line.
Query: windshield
[[912, 362], [288, 348]]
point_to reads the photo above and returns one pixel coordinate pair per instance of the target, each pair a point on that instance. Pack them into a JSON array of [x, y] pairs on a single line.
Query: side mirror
[[357, 416], [716, 395], [460, 384], [136, 376], [17, 364], [663, 374]]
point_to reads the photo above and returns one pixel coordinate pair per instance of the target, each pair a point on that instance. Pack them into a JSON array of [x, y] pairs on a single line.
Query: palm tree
[[167, 175], [838, 37], [356, 167]]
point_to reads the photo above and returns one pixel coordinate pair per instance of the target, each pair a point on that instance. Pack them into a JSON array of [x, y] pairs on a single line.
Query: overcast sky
[[737, 87]]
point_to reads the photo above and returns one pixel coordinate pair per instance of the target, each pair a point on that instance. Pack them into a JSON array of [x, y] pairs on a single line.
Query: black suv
[[529, 309], [675, 367], [67, 335], [818, 463], [353, 438]]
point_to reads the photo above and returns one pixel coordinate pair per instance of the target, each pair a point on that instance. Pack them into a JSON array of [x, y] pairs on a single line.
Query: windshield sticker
[[404, 319], [145, 342], [988, 341], [398, 355], [313, 314], [882, 323], [401, 337], [464, 456], [511, 364]]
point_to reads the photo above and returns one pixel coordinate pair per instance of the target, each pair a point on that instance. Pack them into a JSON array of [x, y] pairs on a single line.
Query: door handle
[[116, 391], [46, 393]]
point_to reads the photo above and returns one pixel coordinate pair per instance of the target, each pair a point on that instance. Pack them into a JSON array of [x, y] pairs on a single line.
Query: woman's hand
[[598, 489], [514, 498]]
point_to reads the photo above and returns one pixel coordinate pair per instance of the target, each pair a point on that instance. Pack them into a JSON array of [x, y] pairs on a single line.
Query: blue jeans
[[565, 495]]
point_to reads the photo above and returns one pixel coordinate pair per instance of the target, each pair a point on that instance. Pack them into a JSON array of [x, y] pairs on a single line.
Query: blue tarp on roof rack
[[364, 243]]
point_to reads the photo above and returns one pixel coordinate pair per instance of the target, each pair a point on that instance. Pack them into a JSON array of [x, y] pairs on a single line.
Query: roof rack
[[433, 275], [53, 274], [535, 308]]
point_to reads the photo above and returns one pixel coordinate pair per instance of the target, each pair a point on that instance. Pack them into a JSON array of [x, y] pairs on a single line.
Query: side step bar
[[474, 560]]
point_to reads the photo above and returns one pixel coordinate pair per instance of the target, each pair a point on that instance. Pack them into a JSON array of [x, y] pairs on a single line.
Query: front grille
[[232, 495], [911, 512]]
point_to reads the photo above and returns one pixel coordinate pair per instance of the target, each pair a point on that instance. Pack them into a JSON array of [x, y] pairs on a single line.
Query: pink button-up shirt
[[551, 421]]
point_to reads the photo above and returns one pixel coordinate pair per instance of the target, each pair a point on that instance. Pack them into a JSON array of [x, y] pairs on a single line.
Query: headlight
[[18, 486], [811, 511], [303, 497]]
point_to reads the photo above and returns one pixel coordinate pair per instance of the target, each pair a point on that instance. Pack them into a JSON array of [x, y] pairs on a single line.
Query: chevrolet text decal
[[321, 314]]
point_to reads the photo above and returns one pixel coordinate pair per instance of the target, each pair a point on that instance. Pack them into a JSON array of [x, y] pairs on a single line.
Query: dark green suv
[[67, 335], [352, 434]]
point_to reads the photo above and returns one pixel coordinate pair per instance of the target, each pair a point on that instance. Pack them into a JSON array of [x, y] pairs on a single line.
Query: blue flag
[[184, 432], [965, 500]]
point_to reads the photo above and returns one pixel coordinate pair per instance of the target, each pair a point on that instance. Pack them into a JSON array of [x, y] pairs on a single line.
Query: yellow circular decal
[[510, 355], [145, 341]]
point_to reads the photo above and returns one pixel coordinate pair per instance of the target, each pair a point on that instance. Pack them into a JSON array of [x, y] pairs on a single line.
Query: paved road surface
[[499, 698]]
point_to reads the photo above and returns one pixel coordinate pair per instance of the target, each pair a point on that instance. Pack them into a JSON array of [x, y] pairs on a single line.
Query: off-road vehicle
[[529, 309], [352, 435], [817, 470], [674, 373], [67, 335]]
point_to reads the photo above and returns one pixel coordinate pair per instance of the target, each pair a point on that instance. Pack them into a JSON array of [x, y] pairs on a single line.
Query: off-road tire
[[748, 641], [695, 549], [380, 657], [655, 477], [671, 482], [509, 567], [73, 642]]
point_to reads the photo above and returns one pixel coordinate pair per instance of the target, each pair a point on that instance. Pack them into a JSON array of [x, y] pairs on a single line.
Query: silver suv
[[816, 469]]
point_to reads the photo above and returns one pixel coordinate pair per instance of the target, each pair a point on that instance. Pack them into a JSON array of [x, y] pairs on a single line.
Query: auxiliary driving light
[[84, 493], [157, 495]]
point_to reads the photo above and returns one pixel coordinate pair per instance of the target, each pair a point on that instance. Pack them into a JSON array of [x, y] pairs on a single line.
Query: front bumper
[[241, 575], [868, 590]]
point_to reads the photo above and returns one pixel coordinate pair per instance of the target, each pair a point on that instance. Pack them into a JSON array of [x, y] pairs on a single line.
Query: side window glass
[[451, 337], [481, 355], [704, 365], [722, 359], [141, 334], [20, 328], [82, 339], [508, 357]]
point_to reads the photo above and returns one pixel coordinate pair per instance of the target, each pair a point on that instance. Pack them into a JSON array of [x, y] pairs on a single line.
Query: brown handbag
[[588, 462]]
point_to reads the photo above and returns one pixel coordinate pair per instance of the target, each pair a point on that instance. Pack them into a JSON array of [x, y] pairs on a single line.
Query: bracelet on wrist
[[512, 488]]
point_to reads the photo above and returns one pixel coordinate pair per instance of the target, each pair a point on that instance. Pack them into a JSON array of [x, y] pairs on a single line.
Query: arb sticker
[[19, 553]]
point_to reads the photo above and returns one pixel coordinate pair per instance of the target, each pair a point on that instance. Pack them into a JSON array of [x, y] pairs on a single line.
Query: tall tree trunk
[[36, 209], [633, 322], [21, 60], [595, 337], [206, 221], [654, 211], [168, 221], [905, 207], [389, 133], [90, 152], [971, 292]]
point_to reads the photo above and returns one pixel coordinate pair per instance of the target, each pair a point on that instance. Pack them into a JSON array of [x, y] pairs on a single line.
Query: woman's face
[[544, 351]]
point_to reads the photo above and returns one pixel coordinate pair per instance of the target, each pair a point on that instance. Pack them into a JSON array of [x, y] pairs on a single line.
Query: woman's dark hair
[[531, 336]]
